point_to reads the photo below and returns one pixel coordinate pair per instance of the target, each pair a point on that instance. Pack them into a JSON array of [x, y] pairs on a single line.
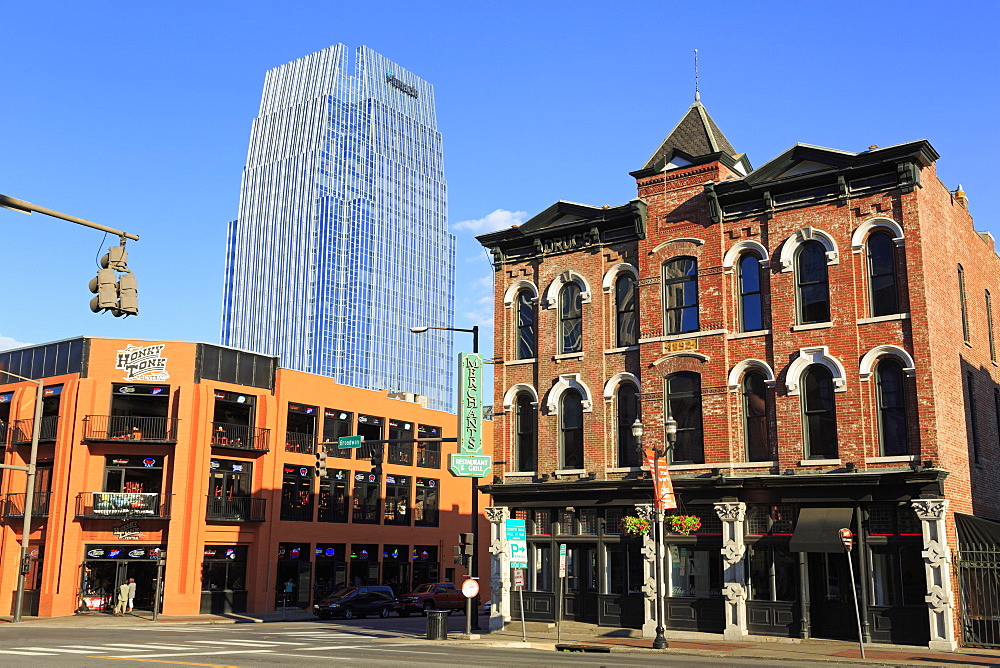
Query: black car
[[351, 602]]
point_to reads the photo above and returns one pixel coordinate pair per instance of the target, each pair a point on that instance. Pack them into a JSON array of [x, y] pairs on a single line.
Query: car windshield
[[423, 589], [341, 593]]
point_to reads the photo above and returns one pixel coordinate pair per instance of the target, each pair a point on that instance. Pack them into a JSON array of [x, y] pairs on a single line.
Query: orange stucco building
[[192, 466]]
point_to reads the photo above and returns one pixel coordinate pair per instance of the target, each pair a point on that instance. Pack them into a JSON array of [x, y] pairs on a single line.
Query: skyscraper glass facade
[[341, 243]]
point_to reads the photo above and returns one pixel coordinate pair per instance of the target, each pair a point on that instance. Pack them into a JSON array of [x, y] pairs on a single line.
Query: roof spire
[[697, 95]]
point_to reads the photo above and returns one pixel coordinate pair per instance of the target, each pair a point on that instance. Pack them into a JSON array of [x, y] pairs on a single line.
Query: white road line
[[143, 647], [63, 650], [104, 648], [264, 643], [11, 651], [164, 655]]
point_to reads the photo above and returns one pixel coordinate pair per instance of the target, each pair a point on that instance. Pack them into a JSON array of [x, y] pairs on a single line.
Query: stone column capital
[[930, 509], [731, 511], [497, 514]]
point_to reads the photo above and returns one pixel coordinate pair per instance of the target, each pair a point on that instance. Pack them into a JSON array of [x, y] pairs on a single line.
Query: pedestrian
[[131, 594], [122, 600]]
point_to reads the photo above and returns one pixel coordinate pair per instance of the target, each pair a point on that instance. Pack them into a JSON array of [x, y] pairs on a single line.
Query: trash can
[[437, 624]]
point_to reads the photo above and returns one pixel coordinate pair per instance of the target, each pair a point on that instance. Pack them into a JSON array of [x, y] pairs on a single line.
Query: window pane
[[683, 403], [570, 318], [752, 313], [892, 408], [755, 418], [525, 326], [525, 447], [750, 274], [571, 417], [625, 302], [680, 295], [813, 289], [628, 406], [820, 413]]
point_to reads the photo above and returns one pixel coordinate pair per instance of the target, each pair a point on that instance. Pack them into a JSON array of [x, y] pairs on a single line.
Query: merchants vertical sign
[[469, 461]]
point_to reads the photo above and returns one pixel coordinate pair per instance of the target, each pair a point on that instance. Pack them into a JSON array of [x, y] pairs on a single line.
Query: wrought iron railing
[[296, 512], [13, 505], [236, 509], [131, 428], [401, 453], [47, 429], [112, 505], [429, 456], [979, 580], [239, 436], [300, 442]]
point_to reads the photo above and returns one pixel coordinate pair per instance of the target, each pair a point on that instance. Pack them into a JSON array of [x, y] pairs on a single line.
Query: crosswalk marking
[[265, 643], [60, 649], [204, 653]]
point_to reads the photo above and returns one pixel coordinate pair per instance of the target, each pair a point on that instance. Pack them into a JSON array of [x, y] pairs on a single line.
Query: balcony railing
[[13, 505], [300, 442], [116, 505], [401, 453], [47, 431], [239, 436], [429, 457], [131, 428], [237, 509]]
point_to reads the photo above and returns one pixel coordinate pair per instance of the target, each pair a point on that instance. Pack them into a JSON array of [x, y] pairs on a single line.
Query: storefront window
[[897, 575], [425, 564], [331, 568], [624, 569], [333, 496], [396, 568], [695, 572], [366, 499], [773, 573], [293, 583], [224, 567], [425, 507], [397, 499], [540, 567], [296, 493], [336, 424], [364, 564]]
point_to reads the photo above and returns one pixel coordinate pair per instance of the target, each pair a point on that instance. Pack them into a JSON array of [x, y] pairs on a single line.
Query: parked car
[[351, 602], [431, 596]]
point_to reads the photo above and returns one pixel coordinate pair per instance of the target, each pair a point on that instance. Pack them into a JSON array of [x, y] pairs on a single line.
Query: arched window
[[812, 284], [570, 319], [882, 274], [891, 396], [628, 410], [525, 325], [751, 306], [683, 404], [819, 413], [625, 310], [571, 430], [680, 295], [758, 447], [525, 448]]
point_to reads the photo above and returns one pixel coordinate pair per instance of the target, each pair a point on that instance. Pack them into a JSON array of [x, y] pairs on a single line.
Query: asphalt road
[[358, 643]]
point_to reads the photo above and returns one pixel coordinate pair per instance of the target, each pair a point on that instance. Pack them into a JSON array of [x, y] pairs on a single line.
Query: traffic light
[[115, 293], [377, 459], [321, 471], [464, 551]]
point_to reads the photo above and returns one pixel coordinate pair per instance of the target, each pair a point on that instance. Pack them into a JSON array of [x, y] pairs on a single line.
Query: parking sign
[[517, 538]]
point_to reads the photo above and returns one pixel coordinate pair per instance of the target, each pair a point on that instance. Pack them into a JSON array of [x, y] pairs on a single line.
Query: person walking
[[122, 600], [131, 594]]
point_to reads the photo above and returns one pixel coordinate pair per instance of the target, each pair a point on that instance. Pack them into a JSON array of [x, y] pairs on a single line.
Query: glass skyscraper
[[341, 242]]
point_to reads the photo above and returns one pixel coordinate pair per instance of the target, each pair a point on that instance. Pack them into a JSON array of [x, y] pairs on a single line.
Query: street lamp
[[670, 430], [474, 569], [29, 493]]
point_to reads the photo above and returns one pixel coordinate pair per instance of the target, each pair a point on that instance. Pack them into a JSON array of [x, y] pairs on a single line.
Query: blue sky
[[137, 115]]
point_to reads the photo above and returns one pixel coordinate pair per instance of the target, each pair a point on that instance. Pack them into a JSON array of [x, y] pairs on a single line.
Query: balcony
[[47, 432], [237, 509], [13, 505], [295, 442], [239, 437], [115, 428], [121, 505]]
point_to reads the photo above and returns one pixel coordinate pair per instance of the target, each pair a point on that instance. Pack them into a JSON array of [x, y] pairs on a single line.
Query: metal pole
[[27, 207], [474, 571], [468, 615], [660, 642], [559, 605], [524, 631], [857, 610], [159, 589], [29, 497]]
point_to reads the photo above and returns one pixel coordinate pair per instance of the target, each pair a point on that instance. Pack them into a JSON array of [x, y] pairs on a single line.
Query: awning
[[818, 529], [976, 532]]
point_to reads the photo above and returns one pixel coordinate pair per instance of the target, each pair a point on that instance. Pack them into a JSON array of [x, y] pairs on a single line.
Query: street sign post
[[345, 442], [847, 538], [562, 590], [517, 539]]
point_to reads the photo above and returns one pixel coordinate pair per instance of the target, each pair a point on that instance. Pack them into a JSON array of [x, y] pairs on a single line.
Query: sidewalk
[[543, 636]]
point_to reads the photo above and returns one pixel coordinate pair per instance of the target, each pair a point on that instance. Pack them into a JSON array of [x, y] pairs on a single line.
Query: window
[[989, 326], [333, 496], [680, 295], [812, 284], [132, 486], [897, 575], [229, 486], [694, 572], [366, 499], [397, 500], [683, 404], [758, 448], [773, 573], [370, 429], [891, 396], [570, 319], [961, 299], [625, 310], [624, 568], [425, 507], [525, 326], [882, 274], [296, 493], [571, 430], [627, 403], [232, 420], [300, 435], [524, 447], [428, 452], [819, 413], [400, 453], [751, 305], [336, 424], [224, 568], [970, 381]]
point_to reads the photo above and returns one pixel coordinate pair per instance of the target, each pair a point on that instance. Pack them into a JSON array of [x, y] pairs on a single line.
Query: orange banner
[[663, 496]]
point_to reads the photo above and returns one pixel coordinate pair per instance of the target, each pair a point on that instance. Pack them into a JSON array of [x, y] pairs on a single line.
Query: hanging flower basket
[[634, 526], [684, 524]]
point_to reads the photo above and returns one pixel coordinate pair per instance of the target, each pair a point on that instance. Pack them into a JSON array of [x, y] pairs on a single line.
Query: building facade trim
[[808, 357]]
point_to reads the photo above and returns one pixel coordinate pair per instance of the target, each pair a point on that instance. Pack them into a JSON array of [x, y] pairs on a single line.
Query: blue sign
[[517, 538]]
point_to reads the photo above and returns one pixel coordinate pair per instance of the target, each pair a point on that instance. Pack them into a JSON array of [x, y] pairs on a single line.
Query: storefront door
[[582, 580], [831, 606], [101, 578]]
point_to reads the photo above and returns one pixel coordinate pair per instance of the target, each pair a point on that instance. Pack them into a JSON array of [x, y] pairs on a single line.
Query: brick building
[[821, 330], [203, 457]]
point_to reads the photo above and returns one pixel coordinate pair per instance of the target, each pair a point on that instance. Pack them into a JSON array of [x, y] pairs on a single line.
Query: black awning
[[818, 529], [976, 532]]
